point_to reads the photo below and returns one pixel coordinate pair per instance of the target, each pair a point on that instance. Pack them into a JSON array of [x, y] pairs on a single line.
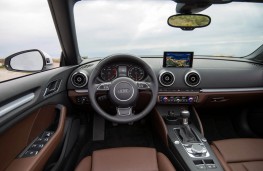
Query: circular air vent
[[192, 79], [166, 78], [79, 79]]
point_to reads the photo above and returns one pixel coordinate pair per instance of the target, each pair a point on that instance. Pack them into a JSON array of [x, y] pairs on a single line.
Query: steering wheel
[[123, 91]]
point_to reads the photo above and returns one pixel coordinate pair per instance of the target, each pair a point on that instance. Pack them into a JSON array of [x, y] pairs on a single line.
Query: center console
[[185, 140]]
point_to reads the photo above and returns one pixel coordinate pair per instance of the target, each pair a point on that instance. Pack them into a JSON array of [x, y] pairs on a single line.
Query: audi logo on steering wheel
[[123, 91]]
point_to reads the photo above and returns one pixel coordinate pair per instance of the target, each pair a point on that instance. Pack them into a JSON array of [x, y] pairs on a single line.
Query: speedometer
[[108, 73], [136, 73]]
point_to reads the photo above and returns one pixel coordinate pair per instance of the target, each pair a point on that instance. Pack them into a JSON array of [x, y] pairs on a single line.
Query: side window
[[29, 42]]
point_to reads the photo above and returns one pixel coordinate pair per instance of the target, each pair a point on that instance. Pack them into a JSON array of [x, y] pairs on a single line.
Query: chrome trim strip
[[16, 104], [231, 90], [82, 91]]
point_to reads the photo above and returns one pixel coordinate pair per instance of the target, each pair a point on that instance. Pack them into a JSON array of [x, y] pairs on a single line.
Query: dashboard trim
[[82, 91], [16, 104], [231, 90]]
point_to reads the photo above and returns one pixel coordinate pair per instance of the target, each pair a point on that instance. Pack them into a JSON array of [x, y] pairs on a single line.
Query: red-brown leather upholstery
[[126, 159], [240, 154]]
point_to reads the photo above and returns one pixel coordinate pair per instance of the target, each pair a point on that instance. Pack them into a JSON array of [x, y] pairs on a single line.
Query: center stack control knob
[[190, 99], [165, 99]]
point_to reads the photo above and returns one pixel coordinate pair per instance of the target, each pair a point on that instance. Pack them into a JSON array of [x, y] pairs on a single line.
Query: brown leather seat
[[240, 154], [126, 159]]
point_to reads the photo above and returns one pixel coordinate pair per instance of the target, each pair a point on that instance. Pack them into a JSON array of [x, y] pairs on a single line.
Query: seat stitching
[[246, 161], [244, 166], [157, 161], [91, 159], [219, 152]]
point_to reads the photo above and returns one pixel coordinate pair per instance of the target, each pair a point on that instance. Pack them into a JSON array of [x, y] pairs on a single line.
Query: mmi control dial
[[198, 149]]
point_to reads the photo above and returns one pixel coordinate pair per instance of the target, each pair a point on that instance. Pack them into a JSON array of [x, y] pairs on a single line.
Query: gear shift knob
[[185, 114]]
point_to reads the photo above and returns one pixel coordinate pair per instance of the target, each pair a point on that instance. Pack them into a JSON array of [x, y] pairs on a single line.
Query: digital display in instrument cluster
[[178, 59], [111, 72]]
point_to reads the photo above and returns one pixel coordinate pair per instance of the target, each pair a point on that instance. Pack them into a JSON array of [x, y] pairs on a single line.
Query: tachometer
[[136, 73], [108, 73]]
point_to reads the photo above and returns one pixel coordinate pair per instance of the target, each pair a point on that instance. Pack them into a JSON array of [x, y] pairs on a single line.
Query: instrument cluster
[[110, 72]]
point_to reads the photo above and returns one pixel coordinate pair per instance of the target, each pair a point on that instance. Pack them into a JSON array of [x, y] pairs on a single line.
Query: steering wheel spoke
[[143, 85], [103, 86], [127, 111]]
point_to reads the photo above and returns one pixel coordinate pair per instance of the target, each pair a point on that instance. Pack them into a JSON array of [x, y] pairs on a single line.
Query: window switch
[[30, 153], [39, 140], [211, 166], [47, 134], [201, 167], [45, 139], [36, 146], [40, 146]]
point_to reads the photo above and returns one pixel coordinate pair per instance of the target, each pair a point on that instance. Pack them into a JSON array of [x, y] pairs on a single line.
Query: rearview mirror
[[189, 21], [26, 61]]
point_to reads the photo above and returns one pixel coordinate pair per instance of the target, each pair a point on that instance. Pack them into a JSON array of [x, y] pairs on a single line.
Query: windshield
[[140, 27]]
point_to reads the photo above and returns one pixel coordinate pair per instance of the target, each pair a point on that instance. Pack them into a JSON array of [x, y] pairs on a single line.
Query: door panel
[[13, 90], [16, 138], [38, 161], [21, 126]]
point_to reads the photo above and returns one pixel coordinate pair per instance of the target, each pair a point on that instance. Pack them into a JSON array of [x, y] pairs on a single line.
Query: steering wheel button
[[124, 111], [104, 87], [142, 85]]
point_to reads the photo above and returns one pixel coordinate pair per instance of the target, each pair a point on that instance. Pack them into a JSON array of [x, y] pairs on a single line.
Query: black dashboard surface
[[214, 73]]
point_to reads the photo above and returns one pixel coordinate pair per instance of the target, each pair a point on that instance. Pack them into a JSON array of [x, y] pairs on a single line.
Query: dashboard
[[208, 81]]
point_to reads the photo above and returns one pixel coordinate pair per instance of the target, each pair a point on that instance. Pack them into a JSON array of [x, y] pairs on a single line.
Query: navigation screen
[[178, 59]]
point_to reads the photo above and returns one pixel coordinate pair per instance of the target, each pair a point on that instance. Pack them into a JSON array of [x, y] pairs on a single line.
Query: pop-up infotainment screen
[[178, 59]]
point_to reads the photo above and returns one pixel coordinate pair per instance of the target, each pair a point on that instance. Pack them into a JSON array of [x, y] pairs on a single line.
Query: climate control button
[[178, 99]]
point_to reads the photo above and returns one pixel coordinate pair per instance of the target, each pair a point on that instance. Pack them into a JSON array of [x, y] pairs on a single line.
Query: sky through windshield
[[140, 28]]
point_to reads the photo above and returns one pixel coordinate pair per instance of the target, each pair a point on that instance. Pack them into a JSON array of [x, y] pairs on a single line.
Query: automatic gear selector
[[190, 141]]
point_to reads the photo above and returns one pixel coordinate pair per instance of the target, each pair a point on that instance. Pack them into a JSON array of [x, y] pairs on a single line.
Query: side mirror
[[189, 21], [26, 61]]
